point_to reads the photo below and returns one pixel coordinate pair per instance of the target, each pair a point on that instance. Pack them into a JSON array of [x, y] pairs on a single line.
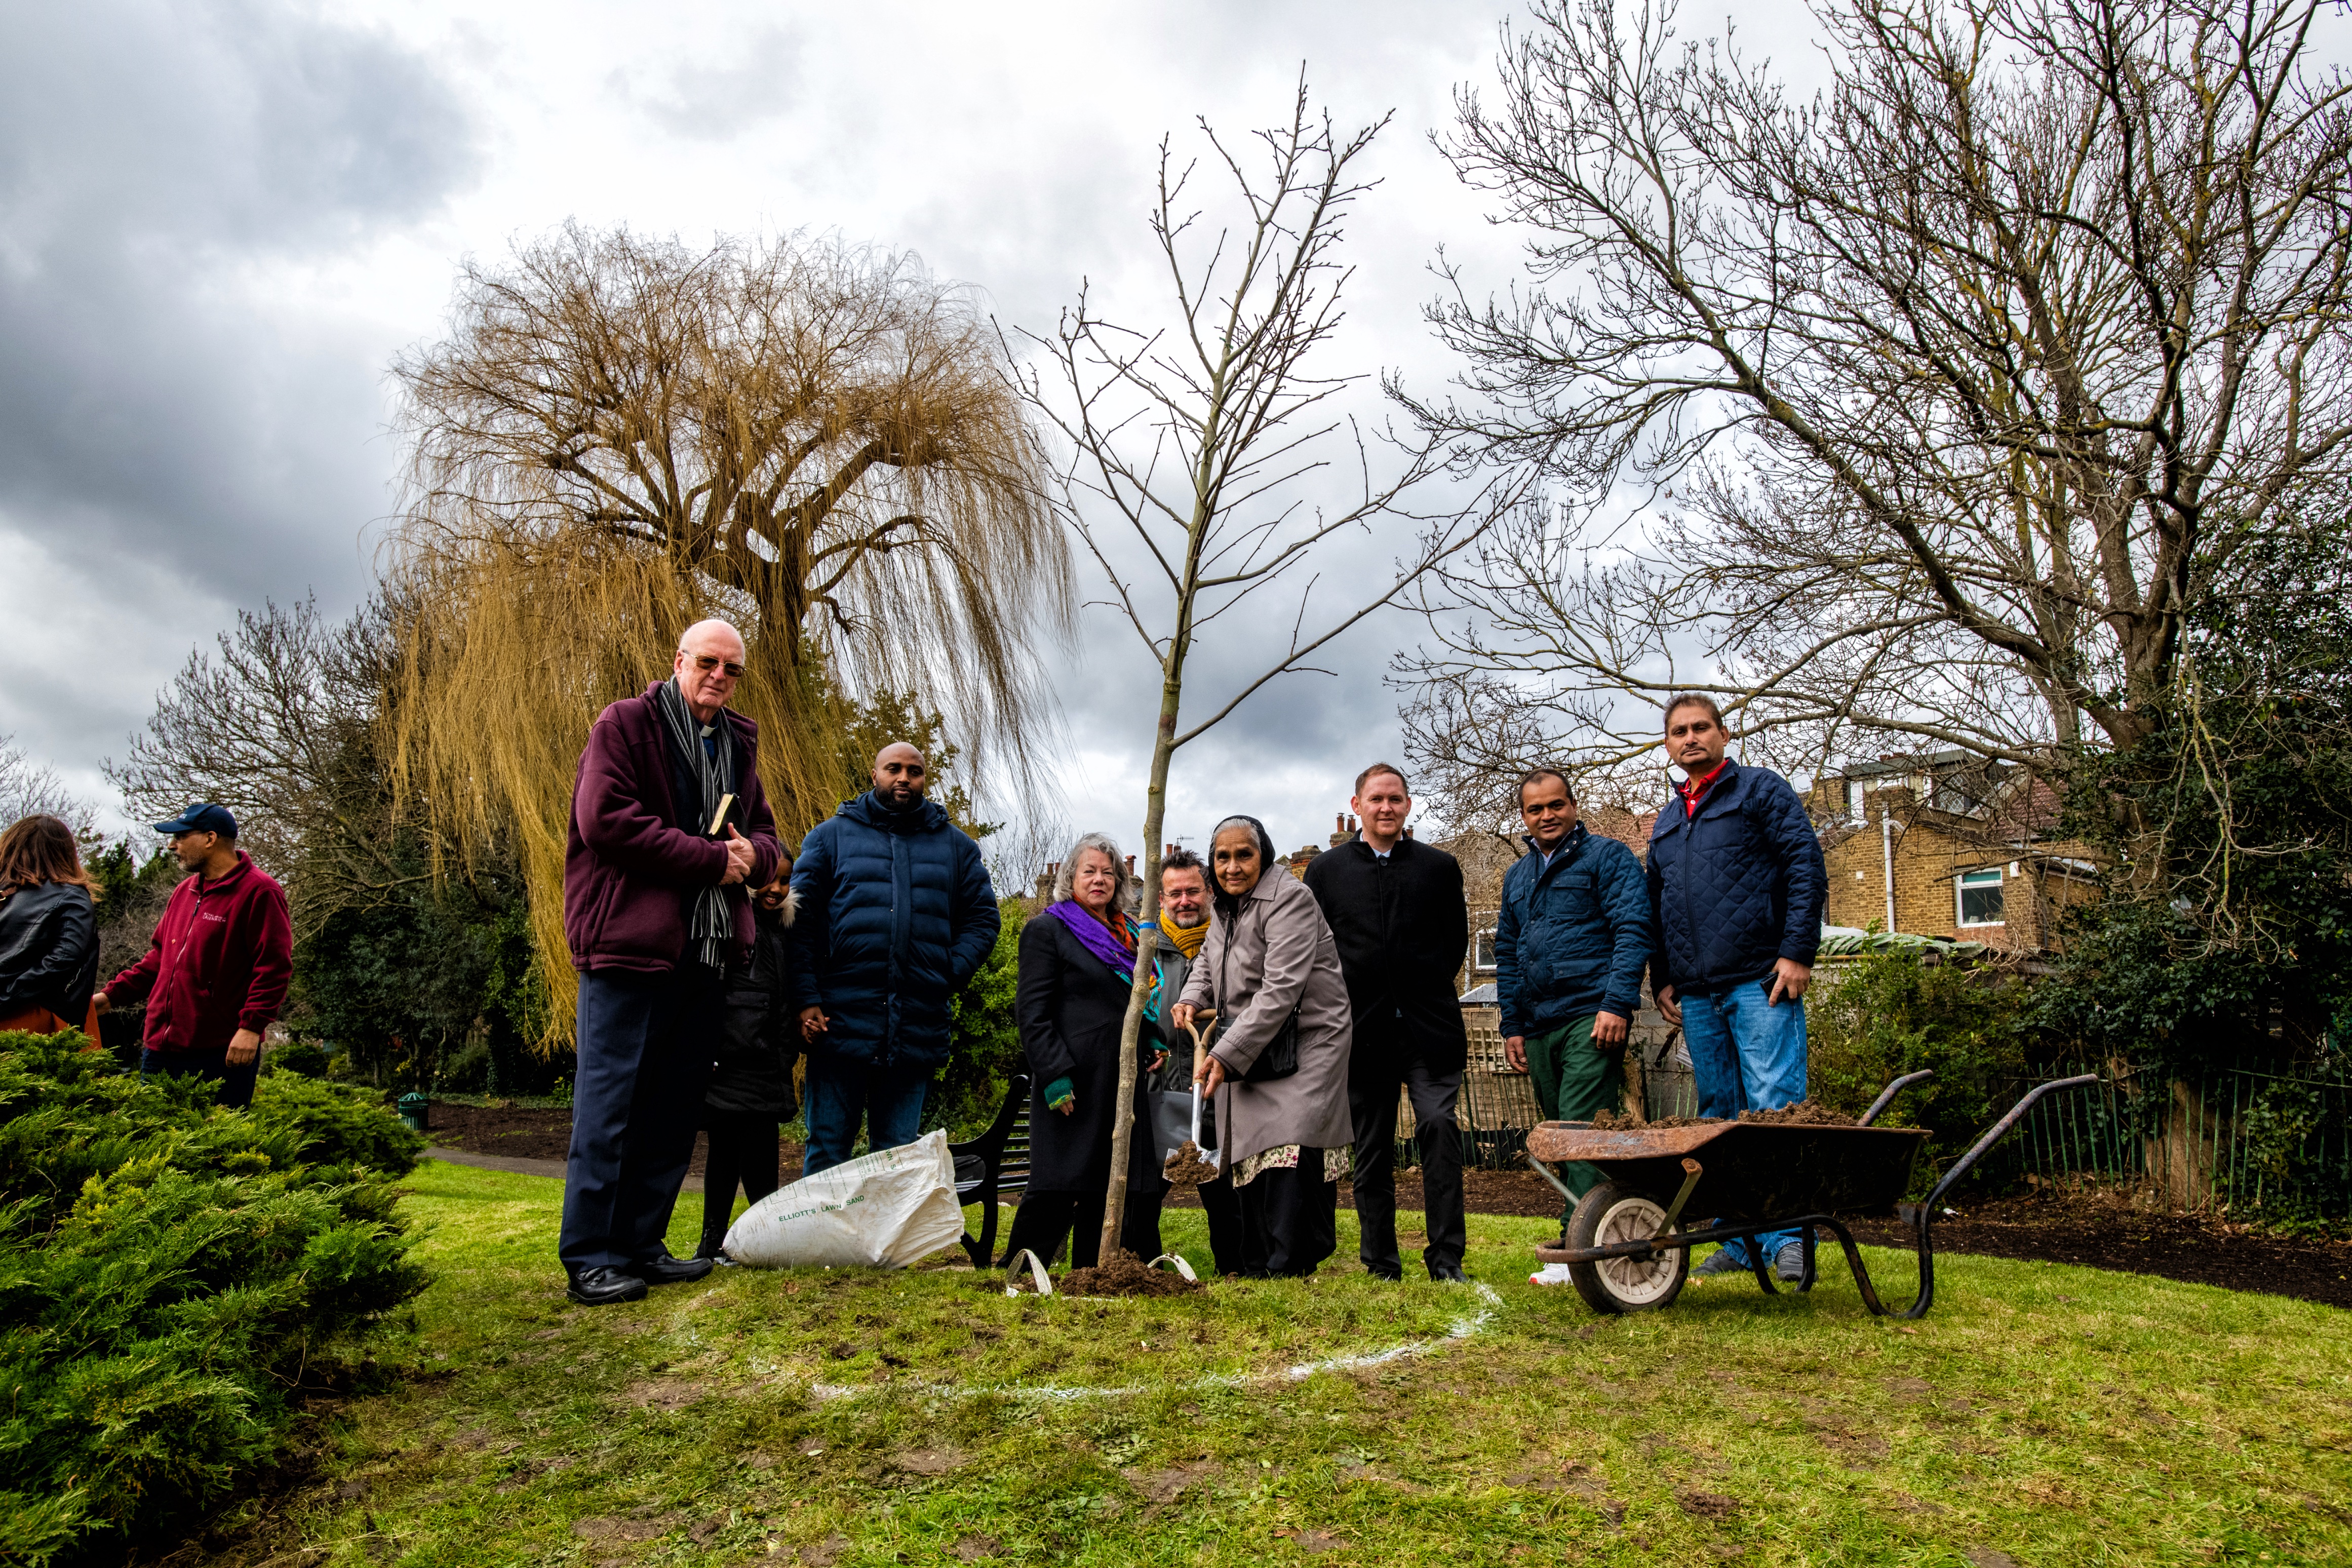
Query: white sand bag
[[884, 1210]]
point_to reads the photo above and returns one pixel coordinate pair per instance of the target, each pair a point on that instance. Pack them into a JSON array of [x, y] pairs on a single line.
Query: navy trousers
[[646, 1045]]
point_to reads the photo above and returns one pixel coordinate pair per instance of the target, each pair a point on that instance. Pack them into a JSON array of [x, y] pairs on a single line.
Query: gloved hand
[[1062, 1094]]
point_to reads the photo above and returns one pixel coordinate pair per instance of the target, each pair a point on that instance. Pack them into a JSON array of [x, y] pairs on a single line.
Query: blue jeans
[[644, 1060], [1747, 1054], [842, 1094]]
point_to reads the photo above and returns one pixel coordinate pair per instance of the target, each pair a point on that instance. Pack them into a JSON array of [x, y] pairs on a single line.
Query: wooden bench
[[992, 1166]]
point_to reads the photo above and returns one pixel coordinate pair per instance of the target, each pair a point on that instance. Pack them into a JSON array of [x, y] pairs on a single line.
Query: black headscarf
[[1228, 905]]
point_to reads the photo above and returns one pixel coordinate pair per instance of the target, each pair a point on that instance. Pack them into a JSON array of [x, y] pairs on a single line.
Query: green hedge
[[1893, 1012], [173, 1278]]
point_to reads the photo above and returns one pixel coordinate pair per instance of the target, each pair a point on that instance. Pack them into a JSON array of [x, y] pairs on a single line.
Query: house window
[[1854, 804], [1981, 897], [1482, 951]]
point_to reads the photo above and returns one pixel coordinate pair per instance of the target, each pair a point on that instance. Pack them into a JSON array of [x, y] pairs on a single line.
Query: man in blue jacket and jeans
[[896, 915], [1736, 883], [1570, 944]]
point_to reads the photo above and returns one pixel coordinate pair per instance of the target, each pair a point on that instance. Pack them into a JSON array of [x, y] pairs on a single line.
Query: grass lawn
[[2040, 1415]]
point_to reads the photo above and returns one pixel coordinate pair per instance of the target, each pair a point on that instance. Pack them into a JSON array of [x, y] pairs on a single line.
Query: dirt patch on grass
[[611, 1529], [1707, 1505], [532, 1132], [928, 1462], [664, 1393], [1125, 1274], [1166, 1485]]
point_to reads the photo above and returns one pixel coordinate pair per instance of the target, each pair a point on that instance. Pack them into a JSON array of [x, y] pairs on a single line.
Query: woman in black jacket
[[48, 931], [1078, 964], [751, 1080]]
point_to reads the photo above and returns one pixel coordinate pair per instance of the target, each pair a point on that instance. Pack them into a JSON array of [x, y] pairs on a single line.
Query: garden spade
[[1191, 1165]]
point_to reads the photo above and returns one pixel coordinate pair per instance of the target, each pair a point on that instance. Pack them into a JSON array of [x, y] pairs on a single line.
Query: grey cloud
[[705, 101], [176, 439]]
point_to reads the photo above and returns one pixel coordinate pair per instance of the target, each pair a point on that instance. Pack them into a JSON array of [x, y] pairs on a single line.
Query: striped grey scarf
[[713, 926]]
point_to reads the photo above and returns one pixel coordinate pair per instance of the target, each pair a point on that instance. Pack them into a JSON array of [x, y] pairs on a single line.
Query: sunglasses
[[708, 662]]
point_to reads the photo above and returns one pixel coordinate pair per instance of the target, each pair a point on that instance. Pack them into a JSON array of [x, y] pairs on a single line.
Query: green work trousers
[[1572, 1081]]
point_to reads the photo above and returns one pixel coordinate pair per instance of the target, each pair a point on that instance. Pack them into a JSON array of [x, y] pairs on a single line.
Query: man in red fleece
[[216, 975]]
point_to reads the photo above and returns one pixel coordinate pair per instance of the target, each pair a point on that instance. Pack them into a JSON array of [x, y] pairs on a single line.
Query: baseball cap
[[202, 817]]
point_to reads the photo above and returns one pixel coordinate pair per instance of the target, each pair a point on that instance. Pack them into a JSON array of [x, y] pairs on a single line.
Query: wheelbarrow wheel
[[1611, 1212]]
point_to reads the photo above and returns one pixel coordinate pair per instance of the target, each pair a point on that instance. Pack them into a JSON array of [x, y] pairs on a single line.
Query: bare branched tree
[[1199, 445], [620, 435], [29, 788], [1926, 408], [280, 724]]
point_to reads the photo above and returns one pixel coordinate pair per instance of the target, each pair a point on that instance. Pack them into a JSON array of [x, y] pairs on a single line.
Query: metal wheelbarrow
[[1626, 1250]]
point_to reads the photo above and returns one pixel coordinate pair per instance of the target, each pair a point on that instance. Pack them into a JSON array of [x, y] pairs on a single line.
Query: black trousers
[[743, 1154], [1372, 1104], [1045, 1220], [235, 1082], [1224, 1207], [1289, 1220], [645, 1061]]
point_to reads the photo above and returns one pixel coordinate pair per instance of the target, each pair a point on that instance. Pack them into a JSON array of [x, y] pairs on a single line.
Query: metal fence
[[2239, 1140], [2234, 1139], [1498, 1106]]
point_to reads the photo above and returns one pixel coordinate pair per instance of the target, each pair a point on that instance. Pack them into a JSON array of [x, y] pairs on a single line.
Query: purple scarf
[[1097, 939]]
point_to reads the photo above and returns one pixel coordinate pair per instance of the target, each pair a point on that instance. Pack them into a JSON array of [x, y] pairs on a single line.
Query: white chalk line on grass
[[1461, 1328]]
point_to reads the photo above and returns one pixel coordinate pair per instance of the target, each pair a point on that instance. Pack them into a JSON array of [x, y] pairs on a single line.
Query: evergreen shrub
[[1887, 1013], [174, 1279]]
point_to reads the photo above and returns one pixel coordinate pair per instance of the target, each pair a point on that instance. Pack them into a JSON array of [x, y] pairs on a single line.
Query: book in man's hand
[[721, 819]]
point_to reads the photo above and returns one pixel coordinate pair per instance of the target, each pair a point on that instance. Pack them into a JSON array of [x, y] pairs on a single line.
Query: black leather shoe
[[1448, 1274], [604, 1287], [1394, 1275], [669, 1270]]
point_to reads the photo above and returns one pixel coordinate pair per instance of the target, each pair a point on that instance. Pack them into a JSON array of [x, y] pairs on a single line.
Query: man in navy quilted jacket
[[896, 915], [1570, 942], [1737, 885]]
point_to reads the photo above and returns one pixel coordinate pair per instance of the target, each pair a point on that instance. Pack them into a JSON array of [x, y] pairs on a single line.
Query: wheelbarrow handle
[[1995, 1132], [1887, 1096]]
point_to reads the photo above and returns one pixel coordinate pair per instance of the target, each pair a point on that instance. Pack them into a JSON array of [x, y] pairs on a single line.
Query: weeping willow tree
[[621, 436]]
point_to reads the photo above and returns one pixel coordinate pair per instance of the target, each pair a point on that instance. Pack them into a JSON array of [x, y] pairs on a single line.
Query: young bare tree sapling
[[1211, 459]]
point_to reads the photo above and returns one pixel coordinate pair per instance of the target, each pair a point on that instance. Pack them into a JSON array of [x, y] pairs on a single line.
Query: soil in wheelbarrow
[[1125, 1274], [1804, 1113]]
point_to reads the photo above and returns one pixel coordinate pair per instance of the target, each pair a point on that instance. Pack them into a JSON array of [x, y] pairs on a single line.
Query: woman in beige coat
[[1286, 1141]]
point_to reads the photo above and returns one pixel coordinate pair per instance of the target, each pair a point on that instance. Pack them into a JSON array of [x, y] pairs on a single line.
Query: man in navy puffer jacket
[[1737, 885], [896, 915]]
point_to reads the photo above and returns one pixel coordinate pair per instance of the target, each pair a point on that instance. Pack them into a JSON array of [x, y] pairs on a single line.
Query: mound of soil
[[1610, 1121], [1804, 1113], [1186, 1168], [1125, 1274]]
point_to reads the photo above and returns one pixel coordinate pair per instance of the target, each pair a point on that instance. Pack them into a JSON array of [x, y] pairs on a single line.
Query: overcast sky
[[220, 223]]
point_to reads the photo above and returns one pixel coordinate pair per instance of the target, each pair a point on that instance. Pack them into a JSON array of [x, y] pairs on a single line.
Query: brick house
[[1949, 846]]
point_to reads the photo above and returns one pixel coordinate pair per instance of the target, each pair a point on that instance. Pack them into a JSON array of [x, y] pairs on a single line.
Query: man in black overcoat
[[1396, 908]]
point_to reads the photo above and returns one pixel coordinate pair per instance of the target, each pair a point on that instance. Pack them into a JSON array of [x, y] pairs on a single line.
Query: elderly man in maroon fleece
[[216, 975], [668, 828]]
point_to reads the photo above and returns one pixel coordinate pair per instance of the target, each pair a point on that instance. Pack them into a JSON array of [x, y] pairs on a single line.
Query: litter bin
[[414, 1106]]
